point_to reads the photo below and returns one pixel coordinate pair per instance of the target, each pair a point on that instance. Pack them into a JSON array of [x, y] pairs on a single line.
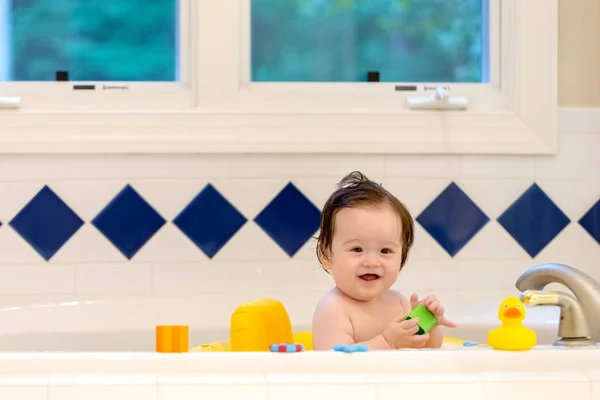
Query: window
[[318, 56], [393, 40], [304, 75], [95, 53]]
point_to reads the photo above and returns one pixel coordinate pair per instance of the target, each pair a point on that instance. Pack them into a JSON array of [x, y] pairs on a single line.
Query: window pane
[[94, 40], [342, 40]]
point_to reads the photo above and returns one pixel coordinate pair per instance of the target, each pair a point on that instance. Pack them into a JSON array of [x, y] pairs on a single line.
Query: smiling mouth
[[369, 277]]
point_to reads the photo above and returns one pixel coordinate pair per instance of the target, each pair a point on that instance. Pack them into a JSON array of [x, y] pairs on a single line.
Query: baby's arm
[[332, 326], [436, 338]]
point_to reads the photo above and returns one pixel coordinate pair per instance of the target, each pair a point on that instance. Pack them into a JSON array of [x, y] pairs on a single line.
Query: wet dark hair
[[355, 189]]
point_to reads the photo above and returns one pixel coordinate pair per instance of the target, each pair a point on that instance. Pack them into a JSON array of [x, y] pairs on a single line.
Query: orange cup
[[172, 338]]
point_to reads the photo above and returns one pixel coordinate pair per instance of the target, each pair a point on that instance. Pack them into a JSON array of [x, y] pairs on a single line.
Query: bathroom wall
[[237, 227], [578, 57], [240, 226]]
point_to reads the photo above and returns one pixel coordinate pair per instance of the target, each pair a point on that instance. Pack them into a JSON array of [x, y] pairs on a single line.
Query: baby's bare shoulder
[[394, 297], [331, 301]]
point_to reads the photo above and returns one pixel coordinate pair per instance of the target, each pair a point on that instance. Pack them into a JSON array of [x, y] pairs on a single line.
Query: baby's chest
[[370, 323]]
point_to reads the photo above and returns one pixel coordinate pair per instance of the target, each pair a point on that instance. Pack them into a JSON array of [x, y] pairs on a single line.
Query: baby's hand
[[400, 334], [434, 306]]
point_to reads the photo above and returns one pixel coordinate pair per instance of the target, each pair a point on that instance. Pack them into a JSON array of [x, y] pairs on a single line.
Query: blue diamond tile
[[46, 223], [290, 219], [128, 221], [533, 220], [452, 219], [591, 221], [210, 220]]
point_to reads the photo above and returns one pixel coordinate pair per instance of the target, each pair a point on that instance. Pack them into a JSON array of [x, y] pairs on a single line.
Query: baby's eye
[[357, 249], [386, 251]]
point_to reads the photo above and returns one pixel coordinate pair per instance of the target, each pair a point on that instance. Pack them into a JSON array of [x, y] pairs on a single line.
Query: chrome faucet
[[579, 324]]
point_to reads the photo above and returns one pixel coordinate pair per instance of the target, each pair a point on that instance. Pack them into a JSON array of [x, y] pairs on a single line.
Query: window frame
[[109, 95], [516, 113], [380, 96]]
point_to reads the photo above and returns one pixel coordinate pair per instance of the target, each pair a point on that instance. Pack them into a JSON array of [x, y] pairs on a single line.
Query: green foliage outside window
[[95, 40], [292, 40], [341, 40]]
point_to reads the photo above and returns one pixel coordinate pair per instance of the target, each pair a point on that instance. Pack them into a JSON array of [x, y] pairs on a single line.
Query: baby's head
[[365, 236]]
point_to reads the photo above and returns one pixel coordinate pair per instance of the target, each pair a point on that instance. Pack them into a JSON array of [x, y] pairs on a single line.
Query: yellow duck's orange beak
[[512, 312]]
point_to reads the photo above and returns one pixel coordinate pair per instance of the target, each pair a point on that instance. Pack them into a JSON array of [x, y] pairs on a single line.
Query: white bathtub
[[143, 340], [95, 349], [96, 324]]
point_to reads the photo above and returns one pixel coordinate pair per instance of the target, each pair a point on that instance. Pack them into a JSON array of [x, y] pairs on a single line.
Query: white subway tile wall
[[57, 238]]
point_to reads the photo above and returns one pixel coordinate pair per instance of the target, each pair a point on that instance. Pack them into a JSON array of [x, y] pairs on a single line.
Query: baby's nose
[[371, 260]]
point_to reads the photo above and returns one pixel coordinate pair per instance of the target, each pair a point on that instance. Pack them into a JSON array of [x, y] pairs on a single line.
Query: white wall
[[251, 264]]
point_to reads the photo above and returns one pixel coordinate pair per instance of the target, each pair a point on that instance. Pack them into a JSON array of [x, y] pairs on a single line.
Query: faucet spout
[[573, 323], [585, 289]]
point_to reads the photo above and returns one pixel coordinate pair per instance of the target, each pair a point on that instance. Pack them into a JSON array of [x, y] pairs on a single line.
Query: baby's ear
[[325, 259], [326, 263]]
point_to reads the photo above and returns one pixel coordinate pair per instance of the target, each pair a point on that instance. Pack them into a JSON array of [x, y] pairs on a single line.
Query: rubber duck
[[512, 334]]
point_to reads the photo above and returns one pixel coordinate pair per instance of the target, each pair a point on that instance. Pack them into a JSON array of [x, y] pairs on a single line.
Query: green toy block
[[426, 318]]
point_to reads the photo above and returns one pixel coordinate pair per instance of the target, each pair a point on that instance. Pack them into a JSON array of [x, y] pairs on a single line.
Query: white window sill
[[184, 132]]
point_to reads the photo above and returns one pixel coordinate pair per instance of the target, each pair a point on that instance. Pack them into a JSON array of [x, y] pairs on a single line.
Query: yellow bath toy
[[512, 334], [256, 325]]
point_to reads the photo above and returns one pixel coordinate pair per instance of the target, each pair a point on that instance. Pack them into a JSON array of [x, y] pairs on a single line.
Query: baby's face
[[366, 251]]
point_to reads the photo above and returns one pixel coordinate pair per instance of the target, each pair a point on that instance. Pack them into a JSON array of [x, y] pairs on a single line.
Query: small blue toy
[[351, 348], [287, 348]]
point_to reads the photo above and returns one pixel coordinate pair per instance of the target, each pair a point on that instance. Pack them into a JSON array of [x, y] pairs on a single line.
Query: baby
[[364, 240]]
